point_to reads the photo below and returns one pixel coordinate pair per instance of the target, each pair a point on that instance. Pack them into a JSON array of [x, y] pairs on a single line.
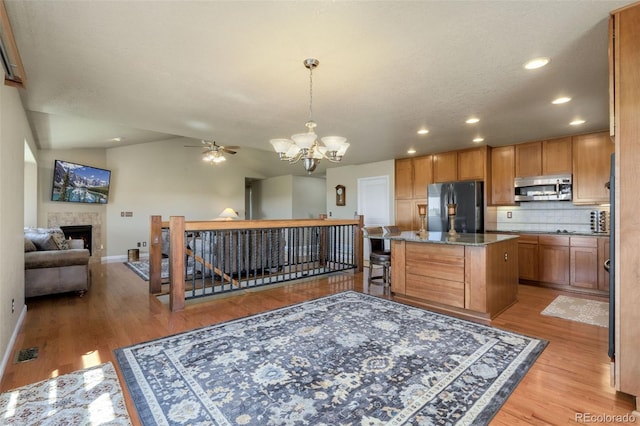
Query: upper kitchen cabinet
[[466, 164], [404, 179], [472, 163], [502, 175], [591, 164], [556, 156], [529, 159], [550, 157], [412, 177], [445, 167]]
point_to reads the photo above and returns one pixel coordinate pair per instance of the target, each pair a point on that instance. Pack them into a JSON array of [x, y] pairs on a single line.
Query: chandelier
[[305, 146]]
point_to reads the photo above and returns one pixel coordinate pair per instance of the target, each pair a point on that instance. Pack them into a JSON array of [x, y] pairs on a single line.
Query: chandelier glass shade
[[306, 146]]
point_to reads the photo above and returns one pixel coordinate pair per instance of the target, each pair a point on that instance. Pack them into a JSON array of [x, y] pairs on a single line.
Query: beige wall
[[274, 198], [14, 131], [308, 197], [165, 178], [348, 176]]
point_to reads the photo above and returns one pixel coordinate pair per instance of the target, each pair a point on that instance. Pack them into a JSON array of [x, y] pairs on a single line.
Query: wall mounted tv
[[77, 183]]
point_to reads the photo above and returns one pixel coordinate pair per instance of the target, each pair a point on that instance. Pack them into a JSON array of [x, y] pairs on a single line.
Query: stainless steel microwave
[[543, 188]]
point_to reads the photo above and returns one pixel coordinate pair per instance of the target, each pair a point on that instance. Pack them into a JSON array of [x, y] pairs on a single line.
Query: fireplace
[[79, 232]]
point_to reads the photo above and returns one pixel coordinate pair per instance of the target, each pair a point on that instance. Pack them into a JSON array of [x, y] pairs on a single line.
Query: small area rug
[[87, 397], [141, 267], [582, 310], [344, 359]]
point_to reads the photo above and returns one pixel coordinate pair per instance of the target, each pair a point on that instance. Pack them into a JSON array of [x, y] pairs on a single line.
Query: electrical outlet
[[138, 244], [13, 305], [128, 214], [509, 215], [121, 214], [144, 244]]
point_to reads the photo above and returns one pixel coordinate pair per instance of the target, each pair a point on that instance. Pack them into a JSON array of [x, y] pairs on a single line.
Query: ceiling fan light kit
[[305, 146], [214, 153]]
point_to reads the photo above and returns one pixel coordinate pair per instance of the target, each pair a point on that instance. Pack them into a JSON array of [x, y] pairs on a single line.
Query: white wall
[[348, 176], [164, 178], [14, 131]]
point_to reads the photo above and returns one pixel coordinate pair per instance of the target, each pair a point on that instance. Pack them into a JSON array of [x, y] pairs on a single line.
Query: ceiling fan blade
[[228, 151]]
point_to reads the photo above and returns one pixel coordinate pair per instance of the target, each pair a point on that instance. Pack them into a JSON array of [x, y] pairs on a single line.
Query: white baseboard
[[12, 341], [120, 258]]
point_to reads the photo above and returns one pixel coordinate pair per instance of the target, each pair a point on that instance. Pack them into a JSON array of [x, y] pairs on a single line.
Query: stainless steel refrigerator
[[468, 197]]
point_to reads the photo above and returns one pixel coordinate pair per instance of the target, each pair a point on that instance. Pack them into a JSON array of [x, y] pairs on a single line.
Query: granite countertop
[[445, 238], [569, 234]]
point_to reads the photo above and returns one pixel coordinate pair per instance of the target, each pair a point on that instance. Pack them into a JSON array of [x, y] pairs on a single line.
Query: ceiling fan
[[213, 152]]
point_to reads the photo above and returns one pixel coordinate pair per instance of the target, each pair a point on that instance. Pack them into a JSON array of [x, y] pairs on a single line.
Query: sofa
[[53, 264]]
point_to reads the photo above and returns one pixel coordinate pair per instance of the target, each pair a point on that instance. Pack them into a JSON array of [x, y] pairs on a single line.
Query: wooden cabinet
[[407, 217], [466, 164], [584, 262], [445, 167], [529, 159], [528, 257], [502, 175], [549, 157], [422, 176], [472, 163], [404, 179], [553, 255], [412, 176], [626, 98], [591, 167], [556, 156], [476, 281]]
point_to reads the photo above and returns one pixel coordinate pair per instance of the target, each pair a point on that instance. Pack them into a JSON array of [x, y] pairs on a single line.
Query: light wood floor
[[571, 376]]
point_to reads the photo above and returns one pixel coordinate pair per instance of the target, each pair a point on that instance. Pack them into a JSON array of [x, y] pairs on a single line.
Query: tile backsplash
[[544, 216]]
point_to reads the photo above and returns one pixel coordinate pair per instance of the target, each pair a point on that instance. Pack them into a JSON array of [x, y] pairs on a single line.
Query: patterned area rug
[[87, 397], [345, 359], [141, 267], [582, 310]]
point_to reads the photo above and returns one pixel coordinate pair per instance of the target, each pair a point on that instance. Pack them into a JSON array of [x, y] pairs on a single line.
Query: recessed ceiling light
[[117, 139], [411, 151], [472, 120], [577, 122], [562, 100], [478, 139], [423, 131], [536, 63]]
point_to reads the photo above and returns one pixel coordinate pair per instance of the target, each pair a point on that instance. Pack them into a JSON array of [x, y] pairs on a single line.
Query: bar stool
[[378, 256]]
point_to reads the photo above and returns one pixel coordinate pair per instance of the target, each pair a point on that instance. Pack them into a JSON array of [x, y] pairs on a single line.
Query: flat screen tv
[[77, 183]]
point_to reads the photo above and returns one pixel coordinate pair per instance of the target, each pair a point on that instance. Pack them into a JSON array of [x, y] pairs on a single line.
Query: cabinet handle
[[506, 256]]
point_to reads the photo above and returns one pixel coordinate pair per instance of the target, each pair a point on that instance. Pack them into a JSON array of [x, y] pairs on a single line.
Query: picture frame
[[341, 195]]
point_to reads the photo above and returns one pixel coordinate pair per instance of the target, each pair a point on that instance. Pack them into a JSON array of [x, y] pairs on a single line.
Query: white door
[[373, 203]]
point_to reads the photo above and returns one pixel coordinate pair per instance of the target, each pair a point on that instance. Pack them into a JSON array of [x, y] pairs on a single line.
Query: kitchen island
[[474, 276]]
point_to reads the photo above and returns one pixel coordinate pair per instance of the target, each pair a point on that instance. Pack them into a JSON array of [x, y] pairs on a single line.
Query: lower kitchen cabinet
[[584, 262], [553, 255], [528, 257], [569, 263]]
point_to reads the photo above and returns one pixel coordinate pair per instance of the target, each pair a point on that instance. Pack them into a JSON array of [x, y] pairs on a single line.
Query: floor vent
[[25, 355]]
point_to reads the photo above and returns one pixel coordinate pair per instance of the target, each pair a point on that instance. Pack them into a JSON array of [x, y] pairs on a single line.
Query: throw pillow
[[58, 238], [28, 245], [43, 241]]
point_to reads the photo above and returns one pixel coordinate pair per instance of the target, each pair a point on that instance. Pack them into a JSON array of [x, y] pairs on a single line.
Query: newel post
[[359, 251], [155, 255], [176, 263]]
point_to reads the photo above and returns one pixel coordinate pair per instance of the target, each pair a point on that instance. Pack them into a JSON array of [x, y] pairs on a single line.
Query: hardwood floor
[[571, 376]]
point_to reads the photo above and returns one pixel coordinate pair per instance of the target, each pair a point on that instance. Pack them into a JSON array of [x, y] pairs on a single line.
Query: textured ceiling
[[232, 71]]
